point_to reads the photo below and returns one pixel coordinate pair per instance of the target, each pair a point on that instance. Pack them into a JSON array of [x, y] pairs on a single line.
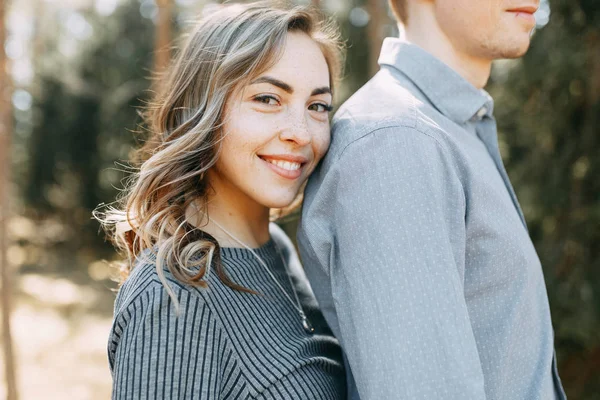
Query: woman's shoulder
[[145, 312], [145, 299], [146, 285], [140, 281]]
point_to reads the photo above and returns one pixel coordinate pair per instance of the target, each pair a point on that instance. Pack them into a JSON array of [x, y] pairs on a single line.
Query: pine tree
[[548, 110]]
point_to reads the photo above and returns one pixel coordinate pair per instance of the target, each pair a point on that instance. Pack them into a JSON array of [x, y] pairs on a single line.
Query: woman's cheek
[[323, 140]]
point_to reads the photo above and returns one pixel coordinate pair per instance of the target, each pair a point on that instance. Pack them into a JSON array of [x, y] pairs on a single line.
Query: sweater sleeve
[[154, 353]]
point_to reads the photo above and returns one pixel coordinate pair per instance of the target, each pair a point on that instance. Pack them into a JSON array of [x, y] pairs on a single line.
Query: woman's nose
[[297, 130]]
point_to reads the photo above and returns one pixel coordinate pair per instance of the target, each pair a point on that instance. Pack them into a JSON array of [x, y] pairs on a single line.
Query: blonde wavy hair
[[226, 50]]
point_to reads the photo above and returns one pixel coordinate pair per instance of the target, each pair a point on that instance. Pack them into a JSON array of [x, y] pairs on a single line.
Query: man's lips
[[525, 13], [524, 9]]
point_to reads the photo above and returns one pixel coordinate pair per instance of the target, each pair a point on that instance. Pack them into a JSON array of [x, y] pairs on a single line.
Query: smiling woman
[[277, 130], [241, 122]]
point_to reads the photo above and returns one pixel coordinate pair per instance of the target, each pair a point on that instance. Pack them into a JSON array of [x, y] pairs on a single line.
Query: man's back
[[416, 247]]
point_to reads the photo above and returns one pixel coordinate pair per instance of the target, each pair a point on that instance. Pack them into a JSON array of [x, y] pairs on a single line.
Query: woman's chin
[[281, 201]]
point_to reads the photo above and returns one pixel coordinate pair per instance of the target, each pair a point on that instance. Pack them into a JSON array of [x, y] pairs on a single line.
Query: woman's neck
[[247, 222]]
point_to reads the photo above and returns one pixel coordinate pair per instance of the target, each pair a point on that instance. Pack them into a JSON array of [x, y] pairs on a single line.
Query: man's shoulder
[[384, 102]]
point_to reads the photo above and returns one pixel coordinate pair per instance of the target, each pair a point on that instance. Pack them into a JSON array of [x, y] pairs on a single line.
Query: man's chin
[[515, 51]]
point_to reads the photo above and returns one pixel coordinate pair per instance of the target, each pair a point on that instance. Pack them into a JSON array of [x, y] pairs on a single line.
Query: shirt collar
[[449, 92]]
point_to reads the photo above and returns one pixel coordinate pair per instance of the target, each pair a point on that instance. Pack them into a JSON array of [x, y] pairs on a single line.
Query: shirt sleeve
[[154, 353], [386, 226]]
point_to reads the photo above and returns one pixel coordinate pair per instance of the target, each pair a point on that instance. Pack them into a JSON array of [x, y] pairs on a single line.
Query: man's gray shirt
[[417, 249]]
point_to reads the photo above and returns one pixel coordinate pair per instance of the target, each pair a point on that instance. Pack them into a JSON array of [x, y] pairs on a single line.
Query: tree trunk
[[378, 18], [162, 43], [6, 124], [40, 10]]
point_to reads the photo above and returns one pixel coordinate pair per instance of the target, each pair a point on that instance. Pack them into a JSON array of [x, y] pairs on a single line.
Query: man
[[412, 236]]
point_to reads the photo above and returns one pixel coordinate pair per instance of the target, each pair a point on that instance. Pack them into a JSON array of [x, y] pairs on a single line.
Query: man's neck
[[428, 36]]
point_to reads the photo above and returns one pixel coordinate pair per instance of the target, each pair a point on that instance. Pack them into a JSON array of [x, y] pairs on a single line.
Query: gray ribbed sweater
[[225, 344]]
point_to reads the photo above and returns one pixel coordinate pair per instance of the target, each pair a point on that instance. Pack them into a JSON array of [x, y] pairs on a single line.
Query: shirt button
[[481, 113]]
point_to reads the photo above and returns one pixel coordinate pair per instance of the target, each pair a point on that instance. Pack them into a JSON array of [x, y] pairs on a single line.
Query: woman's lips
[[290, 167]]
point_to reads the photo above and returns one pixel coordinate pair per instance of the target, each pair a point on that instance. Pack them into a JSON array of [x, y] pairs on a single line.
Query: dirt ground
[[60, 323], [62, 312]]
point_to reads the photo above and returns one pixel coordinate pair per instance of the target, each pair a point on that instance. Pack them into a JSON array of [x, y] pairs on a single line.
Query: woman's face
[[276, 129]]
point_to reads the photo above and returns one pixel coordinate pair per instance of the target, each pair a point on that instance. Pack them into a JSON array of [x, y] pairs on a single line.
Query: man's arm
[[393, 249]]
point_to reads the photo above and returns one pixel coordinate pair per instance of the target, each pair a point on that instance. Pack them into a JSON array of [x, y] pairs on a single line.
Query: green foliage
[[84, 116], [548, 111], [547, 107]]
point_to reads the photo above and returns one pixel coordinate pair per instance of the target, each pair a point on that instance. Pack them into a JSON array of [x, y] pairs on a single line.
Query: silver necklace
[[305, 322]]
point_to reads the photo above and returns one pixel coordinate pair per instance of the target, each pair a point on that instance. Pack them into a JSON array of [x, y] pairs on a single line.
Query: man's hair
[[399, 9]]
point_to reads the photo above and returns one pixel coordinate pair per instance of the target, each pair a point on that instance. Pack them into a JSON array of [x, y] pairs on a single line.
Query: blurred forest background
[[78, 72]]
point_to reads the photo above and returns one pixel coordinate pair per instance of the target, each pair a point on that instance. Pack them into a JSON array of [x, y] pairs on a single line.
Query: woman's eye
[[320, 107], [269, 100]]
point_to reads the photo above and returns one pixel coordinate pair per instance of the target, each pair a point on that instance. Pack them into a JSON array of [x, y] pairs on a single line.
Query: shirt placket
[[487, 133]]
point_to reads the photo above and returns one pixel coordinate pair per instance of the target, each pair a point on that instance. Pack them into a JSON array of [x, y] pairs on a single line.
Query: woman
[[215, 304]]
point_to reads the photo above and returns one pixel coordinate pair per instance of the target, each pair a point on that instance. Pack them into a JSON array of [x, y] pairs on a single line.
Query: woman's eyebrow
[[275, 82], [287, 88], [321, 90]]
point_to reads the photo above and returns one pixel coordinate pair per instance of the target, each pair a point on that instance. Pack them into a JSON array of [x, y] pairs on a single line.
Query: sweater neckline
[[268, 249], [265, 251]]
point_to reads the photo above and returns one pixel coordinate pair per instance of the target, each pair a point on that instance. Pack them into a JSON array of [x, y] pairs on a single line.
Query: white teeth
[[290, 166]]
